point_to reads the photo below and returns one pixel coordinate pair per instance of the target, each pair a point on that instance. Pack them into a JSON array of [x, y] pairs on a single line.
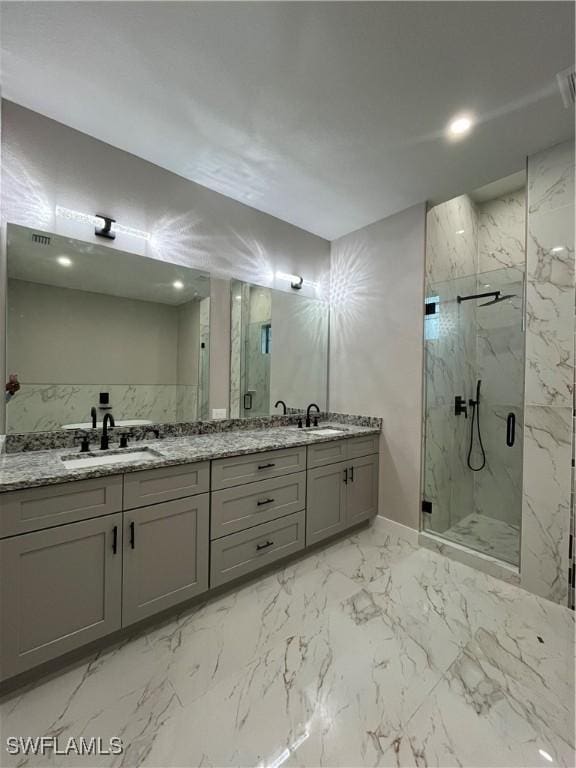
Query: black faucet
[[93, 414], [283, 404], [108, 420], [308, 423]]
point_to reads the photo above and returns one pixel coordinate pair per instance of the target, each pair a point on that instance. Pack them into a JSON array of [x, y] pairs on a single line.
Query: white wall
[[376, 346]]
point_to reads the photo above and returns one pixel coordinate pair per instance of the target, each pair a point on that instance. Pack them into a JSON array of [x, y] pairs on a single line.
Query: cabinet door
[[326, 502], [165, 555], [60, 588], [362, 489]]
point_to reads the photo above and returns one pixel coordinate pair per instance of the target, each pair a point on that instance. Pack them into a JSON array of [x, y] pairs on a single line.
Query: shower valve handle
[[460, 406]]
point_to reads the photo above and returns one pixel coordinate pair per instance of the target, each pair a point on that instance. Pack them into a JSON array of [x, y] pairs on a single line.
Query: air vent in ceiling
[[41, 239], [567, 84]]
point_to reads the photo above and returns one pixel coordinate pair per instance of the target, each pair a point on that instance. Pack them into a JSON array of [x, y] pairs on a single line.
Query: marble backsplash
[[41, 441], [47, 407]]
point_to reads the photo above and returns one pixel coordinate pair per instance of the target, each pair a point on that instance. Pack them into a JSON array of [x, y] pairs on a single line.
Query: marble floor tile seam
[[494, 755]]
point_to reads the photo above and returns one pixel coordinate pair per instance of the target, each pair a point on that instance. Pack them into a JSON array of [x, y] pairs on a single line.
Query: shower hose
[[476, 420]]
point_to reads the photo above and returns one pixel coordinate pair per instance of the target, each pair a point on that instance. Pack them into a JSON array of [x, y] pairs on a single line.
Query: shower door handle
[[510, 430]]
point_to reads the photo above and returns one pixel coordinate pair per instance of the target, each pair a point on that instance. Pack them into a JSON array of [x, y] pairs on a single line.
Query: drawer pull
[[132, 535], [351, 474], [264, 546], [266, 466], [115, 539], [264, 501], [345, 478]]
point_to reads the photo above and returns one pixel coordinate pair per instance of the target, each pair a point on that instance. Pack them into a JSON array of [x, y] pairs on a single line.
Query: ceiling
[[328, 115], [98, 269]]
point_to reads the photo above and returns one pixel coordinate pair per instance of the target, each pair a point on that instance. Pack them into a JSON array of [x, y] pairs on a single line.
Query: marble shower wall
[[549, 403], [203, 363], [502, 231], [240, 303], [249, 367]]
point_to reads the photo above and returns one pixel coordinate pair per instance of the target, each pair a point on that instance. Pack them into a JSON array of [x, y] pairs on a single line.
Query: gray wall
[[376, 346], [299, 351], [61, 336], [188, 342]]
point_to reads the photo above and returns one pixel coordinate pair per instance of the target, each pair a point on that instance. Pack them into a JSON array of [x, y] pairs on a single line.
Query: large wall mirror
[[279, 350], [89, 326]]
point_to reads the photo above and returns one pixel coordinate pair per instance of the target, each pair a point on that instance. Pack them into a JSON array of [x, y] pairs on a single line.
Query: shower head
[[498, 299]]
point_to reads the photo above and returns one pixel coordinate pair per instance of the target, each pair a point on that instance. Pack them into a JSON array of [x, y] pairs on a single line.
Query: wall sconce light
[[106, 230], [104, 226], [296, 281]]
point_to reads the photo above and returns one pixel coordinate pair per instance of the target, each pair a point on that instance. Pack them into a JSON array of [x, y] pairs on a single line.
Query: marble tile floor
[[369, 652], [488, 535]]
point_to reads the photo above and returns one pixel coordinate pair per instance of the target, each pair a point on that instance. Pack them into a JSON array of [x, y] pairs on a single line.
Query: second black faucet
[[308, 422], [107, 421]]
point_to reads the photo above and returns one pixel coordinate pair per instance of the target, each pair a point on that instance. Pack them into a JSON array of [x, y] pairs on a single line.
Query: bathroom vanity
[[88, 549]]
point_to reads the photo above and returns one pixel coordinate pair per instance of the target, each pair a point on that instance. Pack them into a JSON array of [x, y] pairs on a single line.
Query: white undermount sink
[[326, 431], [322, 431], [84, 461]]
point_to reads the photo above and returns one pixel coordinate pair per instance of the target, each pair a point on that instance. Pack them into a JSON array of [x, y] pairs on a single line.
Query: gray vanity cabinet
[[61, 588], [362, 489], [326, 502], [165, 555], [343, 493]]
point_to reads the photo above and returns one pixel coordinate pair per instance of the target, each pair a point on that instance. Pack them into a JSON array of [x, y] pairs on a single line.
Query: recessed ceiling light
[[64, 261], [178, 284], [460, 126], [459, 231], [546, 755], [557, 249]]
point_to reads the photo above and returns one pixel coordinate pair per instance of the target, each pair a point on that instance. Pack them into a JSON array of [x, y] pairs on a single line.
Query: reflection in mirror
[[279, 351], [92, 327]]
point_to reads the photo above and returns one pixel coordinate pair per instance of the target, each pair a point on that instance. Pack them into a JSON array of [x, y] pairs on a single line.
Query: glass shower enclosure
[[474, 383]]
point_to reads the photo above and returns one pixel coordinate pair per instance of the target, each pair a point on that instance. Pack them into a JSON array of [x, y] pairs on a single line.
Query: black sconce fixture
[[106, 230], [297, 285]]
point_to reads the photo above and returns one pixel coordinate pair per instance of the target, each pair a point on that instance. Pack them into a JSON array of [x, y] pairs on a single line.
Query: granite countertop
[[35, 468]]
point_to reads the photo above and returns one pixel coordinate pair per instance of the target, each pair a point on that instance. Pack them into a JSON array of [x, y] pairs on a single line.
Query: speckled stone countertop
[[35, 468]]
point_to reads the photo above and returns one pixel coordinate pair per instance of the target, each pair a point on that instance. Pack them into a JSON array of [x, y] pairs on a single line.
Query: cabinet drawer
[[34, 509], [245, 506], [327, 453], [237, 470], [165, 484], [363, 446], [241, 553]]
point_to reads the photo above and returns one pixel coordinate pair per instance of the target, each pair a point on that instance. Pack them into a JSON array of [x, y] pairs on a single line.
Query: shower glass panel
[[474, 376]]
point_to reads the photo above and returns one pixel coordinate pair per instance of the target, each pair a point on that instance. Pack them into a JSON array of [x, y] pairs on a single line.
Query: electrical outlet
[[218, 413]]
